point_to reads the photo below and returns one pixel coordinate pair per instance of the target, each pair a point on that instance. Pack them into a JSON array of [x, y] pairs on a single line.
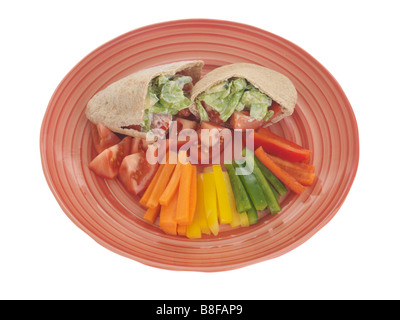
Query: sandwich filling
[[235, 94], [166, 97]]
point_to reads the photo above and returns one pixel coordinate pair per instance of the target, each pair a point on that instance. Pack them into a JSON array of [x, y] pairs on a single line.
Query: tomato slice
[[242, 119], [107, 163], [184, 113], [213, 115], [208, 146], [136, 173], [186, 124], [139, 144], [103, 137], [160, 123], [276, 108]]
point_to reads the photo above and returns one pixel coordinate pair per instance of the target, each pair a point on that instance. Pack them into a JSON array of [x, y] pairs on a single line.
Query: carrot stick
[[182, 211], [193, 194], [172, 186], [303, 173], [145, 198], [160, 185], [301, 166], [181, 230], [305, 178], [281, 174], [168, 216], [152, 214]]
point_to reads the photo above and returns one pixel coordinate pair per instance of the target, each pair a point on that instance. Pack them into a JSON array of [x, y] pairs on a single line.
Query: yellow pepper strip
[[231, 198], [210, 202], [244, 219], [200, 206], [193, 230], [208, 169], [225, 212]]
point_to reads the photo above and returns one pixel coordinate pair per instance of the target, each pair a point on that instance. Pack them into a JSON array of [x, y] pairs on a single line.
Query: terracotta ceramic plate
[[323, 122]]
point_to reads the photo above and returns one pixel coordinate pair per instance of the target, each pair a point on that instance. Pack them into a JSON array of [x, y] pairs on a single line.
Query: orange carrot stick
[[145, 198], [305, 178], [193, 194], [181, 230], [301, 166], [182, 211], [281, 174], [152, 214], [172, 186], [168, 216], [160, 185], [302, 172]]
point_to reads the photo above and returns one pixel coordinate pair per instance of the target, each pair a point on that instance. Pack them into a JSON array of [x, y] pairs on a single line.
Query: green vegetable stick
[[241, 198], [252, 214], [276, 194], [253, 189], [277, 184], [273, 204]]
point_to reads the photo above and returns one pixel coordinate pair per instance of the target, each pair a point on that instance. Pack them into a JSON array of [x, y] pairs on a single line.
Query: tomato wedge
[[208, 144], [107, 163], [278, 146], [136, 172], [213, 115], [276, 108], [186, 124], [139, 144], [103, 137], [242, 119]]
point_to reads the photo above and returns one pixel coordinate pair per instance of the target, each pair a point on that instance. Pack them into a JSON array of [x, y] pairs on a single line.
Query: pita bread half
[[274, 84], [122, 103]]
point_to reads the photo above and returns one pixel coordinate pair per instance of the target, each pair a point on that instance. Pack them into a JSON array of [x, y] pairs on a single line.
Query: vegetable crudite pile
[[191, 186]]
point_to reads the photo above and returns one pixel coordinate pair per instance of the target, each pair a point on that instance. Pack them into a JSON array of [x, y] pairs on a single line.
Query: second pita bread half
[[272, 83]]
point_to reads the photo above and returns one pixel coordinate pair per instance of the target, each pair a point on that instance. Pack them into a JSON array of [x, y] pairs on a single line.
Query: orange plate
[[323, 122]]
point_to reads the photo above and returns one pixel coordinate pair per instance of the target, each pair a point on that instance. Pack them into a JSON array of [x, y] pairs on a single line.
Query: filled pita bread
[[123, 102], [274, 84]]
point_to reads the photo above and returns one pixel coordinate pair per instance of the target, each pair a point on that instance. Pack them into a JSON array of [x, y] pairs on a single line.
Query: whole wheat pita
[[274, 84], [122, 103]]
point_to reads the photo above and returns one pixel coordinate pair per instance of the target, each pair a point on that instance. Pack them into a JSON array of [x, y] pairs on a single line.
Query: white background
[[43, 255]]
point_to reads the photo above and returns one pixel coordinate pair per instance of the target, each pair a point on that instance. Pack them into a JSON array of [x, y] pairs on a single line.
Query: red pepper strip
[[281, 174], [279, 146]]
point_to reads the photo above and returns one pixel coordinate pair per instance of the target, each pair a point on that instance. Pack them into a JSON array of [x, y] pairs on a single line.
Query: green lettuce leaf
[[254, 96], [147, 118], [202, 112], [173, 98], [182, 80], [165, 95], [236, 94], [258, 110]]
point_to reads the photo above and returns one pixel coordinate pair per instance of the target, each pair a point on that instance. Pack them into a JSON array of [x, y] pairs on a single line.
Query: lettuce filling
[[165, 94], [235, 94]]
